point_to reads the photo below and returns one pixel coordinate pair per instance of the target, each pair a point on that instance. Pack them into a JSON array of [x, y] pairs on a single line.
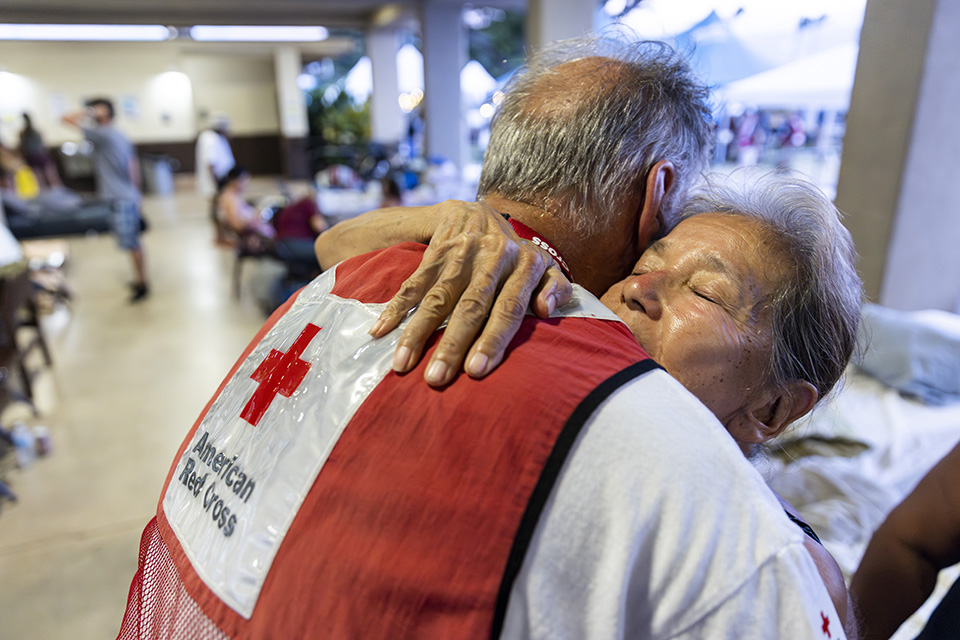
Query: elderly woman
[[752, 302]]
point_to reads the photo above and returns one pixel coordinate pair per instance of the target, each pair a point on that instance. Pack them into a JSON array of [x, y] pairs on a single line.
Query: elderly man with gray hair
[[576, 491]]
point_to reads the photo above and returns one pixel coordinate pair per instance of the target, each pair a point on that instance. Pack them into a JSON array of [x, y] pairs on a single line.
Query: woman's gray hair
[[583, 142], [816, 313]]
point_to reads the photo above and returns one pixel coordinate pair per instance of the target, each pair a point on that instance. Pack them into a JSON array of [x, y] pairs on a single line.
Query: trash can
[[157, 172]]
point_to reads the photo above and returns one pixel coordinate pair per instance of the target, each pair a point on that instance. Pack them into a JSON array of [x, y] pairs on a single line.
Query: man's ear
[[767, 416], [659, 182]]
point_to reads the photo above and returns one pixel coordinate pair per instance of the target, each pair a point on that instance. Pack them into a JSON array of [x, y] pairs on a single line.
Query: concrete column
[[923, 265], [898, 178], [444, 54], [386, 119], [549, 20], [293, 112]]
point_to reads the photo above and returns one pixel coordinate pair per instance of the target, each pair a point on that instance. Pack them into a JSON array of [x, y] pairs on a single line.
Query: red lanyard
[[527, 233]]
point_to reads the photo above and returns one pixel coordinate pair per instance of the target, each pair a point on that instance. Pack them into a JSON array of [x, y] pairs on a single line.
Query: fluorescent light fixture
[[238, 33], [93, 32]]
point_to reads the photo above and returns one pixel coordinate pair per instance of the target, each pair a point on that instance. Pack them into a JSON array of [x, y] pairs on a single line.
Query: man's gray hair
[[584, 145], [816, 313]]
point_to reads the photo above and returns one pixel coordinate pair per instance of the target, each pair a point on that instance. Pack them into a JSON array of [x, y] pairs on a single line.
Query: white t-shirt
[[705, 554], [212, 150]]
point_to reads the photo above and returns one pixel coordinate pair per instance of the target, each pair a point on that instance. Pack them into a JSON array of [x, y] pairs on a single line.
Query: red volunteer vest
[[418, 520]]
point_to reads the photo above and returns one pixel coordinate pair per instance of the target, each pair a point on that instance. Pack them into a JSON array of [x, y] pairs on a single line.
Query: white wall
[[242, 87], [158, 88]]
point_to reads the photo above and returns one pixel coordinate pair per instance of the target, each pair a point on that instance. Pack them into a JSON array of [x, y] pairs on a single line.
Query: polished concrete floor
[[126, 384]]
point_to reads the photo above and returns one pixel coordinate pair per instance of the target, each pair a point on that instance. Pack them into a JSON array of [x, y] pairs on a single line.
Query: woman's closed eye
[[714, 295], [706, 296]]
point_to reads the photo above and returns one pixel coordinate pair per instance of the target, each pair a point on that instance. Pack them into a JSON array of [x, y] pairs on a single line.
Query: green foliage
[[334, 117], [340, 121], [499, 46]]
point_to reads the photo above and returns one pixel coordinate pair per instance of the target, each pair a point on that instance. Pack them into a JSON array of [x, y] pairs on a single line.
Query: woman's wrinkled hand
[[480, 273]]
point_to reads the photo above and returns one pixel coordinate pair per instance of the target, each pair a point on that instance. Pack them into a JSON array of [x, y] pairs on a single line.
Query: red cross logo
[[279, 373], [826, 624]]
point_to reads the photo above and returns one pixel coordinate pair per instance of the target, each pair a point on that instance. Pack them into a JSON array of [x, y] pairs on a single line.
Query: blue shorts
[[126, 224]]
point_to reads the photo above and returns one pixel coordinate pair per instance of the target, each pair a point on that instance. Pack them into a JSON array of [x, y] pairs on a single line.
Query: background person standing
[[214, 156], [35, 154], [117, 171]]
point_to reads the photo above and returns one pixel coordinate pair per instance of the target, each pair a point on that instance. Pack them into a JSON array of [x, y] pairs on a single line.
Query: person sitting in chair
[[238, 217], [298, 221]]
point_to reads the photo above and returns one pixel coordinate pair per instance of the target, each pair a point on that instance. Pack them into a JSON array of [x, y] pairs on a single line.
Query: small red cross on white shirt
[[279, 373], [826, 624]]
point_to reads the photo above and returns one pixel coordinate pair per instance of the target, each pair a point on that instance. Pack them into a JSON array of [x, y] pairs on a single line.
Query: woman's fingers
[[445, 273], [553, 292], [411, 292], [436, 304], [445, 257], [480, 274], [507, 313], [465, 323], [492, 306], [466, 293], [425, 320]]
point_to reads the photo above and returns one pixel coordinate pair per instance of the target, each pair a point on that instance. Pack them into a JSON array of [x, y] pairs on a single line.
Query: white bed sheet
[[846, 499]]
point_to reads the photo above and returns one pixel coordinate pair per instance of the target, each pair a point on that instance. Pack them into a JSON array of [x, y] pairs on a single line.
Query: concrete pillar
[[386, 119], [444, 54], [294, 127], [549, 20], [901, 156]]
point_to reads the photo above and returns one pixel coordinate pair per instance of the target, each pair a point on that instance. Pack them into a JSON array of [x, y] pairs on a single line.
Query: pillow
[[917, 352]]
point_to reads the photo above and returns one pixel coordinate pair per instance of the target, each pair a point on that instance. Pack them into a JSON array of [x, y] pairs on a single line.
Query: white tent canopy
[[822, 80]]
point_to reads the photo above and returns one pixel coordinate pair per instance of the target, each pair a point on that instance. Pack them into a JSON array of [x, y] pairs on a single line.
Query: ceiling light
[[237, 33], [96, 32]]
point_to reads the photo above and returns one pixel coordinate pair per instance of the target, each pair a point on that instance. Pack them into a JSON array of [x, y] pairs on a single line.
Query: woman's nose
[[644, 291]]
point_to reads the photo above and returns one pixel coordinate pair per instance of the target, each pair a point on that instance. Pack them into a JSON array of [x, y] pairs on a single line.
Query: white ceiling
[[357, 14]]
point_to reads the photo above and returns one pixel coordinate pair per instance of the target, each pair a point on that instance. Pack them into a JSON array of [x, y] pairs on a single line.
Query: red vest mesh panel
[[158, 605]]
